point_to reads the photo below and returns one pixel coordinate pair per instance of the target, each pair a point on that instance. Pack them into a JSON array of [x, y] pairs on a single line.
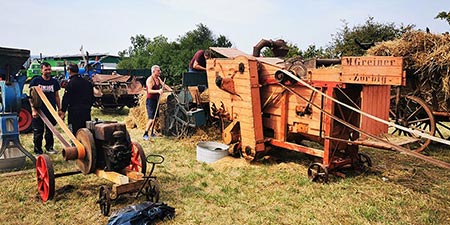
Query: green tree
[[444, 16], [344, 41], [172, 57], [313, 52]]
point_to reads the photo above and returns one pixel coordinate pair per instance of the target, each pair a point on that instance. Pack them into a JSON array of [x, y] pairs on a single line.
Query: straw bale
[[137, 117]]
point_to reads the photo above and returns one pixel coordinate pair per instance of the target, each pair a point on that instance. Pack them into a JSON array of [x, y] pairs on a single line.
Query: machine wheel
[[138, 162], [414, 113], [152, 191], [35, 99], [25, 117], [45, 177], [181, 123], [317, 172], [248, 153], [87, 164], [235, 149], [104, 200], [280, 77], [364, 162]]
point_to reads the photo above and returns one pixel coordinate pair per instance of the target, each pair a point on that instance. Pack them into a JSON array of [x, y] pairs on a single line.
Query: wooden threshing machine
[[268, 103]]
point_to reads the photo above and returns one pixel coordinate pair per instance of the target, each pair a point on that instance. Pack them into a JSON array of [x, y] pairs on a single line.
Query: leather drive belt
[[80, 148]]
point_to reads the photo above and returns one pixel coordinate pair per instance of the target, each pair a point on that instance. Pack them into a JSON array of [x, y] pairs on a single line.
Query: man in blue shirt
[[50, 87]]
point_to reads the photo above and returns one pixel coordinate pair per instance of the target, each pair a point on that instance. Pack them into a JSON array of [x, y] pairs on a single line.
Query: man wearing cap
[[77, 100]]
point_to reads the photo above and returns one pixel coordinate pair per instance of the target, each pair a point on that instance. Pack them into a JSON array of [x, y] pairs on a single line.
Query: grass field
[[398, 189]]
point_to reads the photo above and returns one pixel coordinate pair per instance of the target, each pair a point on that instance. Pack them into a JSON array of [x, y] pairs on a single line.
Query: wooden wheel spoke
[[414, 113]]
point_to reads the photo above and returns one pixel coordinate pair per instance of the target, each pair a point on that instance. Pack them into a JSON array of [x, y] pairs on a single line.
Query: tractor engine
[[113, 145]]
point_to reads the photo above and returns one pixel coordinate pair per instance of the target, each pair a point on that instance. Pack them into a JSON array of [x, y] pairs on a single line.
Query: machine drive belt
[[78, 145], [393, 146]]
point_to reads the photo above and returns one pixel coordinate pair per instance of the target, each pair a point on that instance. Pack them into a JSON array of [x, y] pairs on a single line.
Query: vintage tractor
[[12, 114]]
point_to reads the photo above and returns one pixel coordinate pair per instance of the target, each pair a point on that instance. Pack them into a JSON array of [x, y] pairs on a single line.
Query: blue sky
[[60, 27]]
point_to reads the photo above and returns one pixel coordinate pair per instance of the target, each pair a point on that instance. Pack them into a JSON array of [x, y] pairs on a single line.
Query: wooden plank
[[118, 189], [112, 176], [384, 70], [326, 74], [271, 61], [230, 52], [370, 95], [298, 148], [134, 175]]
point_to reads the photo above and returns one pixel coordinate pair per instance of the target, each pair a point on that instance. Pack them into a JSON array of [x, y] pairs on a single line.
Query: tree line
[[174, 56]]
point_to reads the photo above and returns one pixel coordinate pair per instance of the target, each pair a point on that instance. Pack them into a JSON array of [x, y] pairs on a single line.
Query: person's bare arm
[[164, 85], [197, 66]]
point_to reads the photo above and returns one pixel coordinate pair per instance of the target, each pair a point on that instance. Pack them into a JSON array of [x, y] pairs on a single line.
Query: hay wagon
[[268, 103], [423, 103]]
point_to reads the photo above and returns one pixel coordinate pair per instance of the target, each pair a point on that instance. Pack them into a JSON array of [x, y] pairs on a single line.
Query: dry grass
[[397, 190]]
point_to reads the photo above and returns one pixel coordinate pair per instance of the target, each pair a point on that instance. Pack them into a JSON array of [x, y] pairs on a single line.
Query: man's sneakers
[[51, 151], [38, 151], [146, 137]]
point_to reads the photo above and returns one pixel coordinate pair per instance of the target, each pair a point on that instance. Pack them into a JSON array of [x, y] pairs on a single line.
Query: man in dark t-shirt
[[198, 61], [77, 100], [198, 65], [50, 87]]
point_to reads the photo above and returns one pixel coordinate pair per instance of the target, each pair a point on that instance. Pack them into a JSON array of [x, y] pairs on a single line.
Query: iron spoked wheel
[[87, 164], [181, 121], [152, 191], [317, 172], [104, 200], [364, 162], [138, 162], [45, 177], [413, 113]]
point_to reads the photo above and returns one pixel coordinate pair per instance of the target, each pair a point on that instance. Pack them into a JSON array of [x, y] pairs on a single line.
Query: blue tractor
[[12, 100]]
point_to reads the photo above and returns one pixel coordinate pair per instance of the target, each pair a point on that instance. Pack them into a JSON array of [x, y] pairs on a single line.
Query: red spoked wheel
[[45, 177], [138, 162]]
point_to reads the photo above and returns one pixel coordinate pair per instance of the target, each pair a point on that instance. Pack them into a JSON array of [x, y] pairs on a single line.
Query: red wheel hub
[[138, 162], [25, 119]]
